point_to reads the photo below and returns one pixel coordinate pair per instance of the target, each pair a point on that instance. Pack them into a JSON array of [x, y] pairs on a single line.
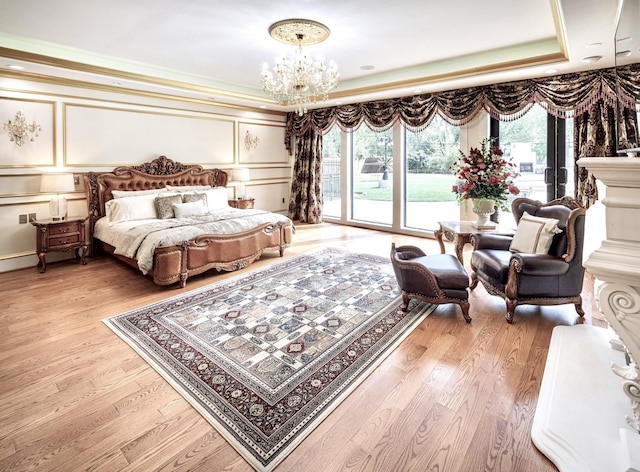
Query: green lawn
[[420, 188]]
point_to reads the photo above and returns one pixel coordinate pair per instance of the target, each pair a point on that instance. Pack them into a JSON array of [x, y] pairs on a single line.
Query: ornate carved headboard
[[158, 173]]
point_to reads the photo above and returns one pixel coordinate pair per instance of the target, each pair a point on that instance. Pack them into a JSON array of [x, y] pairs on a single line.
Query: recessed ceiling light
[[591, 59], [14, 67], [367, 67]]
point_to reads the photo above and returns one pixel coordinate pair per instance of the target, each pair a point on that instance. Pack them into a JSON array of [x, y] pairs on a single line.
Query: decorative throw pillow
[[217, 198], [164, 206], [124, 209], [194, 197], [534, 234], [184, 210]]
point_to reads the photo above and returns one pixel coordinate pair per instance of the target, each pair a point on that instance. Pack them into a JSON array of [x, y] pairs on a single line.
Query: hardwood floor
[[452, 397]]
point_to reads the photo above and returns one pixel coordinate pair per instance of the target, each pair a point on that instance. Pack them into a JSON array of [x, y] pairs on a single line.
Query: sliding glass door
[[372, 176], [428, 179], [402, 180], [541, 145]]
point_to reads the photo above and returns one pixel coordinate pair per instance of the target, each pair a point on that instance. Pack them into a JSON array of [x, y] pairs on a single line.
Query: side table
[[60, 235], [460, 233], [241, 203]]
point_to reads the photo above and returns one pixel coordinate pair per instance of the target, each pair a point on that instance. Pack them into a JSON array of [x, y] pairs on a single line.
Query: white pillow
[[534, 234], [124, 209], [217, 198], [135, 193], [187, 188], [183, 210]]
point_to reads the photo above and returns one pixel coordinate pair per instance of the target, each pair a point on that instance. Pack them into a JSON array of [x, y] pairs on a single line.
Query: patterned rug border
[[323, 409]]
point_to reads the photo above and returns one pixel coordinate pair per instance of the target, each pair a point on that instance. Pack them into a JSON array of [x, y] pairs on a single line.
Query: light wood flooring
[[452, 397]]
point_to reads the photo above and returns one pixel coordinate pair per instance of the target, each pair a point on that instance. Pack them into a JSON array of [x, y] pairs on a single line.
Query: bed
[[154, 217]]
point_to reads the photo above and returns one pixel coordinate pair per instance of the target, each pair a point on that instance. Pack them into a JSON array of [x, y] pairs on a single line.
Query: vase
[[483, 208]]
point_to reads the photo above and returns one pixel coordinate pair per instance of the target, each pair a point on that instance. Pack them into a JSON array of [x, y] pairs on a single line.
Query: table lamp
[[241, 175], [57, 183]]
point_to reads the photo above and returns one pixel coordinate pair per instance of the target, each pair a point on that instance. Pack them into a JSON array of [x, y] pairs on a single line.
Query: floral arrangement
[[485, 174]]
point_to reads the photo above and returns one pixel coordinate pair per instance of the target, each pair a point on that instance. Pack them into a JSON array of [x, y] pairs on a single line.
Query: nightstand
[[60, 235], [241, 203]]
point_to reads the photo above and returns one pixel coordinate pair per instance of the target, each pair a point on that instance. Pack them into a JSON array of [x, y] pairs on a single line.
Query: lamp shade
[[241, 174], [57, 183]]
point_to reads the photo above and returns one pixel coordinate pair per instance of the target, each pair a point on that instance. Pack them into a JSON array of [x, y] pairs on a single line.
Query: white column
[[616, 265]]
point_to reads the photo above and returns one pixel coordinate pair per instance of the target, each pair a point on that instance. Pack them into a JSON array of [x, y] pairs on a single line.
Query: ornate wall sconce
[[19, 131], [250, 142]]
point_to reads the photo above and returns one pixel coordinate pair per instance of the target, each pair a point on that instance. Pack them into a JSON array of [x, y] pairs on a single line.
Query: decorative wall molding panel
[[96, 136]]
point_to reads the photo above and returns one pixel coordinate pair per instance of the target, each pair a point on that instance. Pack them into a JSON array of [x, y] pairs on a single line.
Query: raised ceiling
[[214, 50]]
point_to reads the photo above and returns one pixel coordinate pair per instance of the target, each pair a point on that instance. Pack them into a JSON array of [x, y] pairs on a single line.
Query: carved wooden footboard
[[221, 252], [176, 263]]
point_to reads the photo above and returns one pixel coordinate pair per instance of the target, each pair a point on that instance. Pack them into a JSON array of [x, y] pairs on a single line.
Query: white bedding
[[139, 239]]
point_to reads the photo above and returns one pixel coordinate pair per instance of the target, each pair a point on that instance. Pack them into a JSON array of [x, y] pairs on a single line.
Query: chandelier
[[296, 79], [19, 131]]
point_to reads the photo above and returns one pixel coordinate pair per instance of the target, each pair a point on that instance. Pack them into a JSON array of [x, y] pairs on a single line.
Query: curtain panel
[[305, 203]]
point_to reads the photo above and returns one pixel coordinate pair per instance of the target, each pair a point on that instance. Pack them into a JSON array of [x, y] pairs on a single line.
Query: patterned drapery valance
[[563, 96]]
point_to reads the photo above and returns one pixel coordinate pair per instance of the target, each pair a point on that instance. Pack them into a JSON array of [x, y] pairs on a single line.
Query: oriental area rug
[[266, 355]]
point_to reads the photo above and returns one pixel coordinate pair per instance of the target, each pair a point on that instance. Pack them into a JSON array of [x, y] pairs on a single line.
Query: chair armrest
[[544, 265], [491, 241], [406, 253]]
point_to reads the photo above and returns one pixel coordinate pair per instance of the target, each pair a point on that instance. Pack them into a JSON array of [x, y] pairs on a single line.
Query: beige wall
[[94, 130]]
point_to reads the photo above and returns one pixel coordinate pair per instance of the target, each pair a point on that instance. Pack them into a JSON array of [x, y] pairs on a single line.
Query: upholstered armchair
[[437, 278], [541, 264]]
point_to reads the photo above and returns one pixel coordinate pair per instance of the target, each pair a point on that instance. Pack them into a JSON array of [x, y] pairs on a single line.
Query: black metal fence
[[331, 178]]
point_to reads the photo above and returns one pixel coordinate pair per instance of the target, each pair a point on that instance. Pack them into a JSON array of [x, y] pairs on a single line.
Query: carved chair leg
[[465, 311], [579, 309], [405, 301], [474, 281], [511, 308]]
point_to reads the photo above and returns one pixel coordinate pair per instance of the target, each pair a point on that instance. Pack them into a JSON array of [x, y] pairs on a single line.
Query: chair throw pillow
[[534, 234]]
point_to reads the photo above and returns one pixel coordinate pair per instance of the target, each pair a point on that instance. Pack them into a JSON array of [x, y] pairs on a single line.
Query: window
[[331, 173], [541, 145], [428, 196], [372, 176]]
